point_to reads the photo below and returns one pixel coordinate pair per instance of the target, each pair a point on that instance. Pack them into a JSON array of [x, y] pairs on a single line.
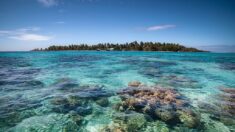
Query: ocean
[[96, 91]]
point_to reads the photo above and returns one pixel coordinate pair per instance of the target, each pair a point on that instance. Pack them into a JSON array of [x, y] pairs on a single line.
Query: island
[[132, 46]]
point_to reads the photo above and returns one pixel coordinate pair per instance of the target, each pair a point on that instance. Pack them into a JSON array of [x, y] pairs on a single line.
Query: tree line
[[132, 46]]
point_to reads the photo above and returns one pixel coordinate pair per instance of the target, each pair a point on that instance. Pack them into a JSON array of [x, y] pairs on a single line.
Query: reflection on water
[[117, 91]]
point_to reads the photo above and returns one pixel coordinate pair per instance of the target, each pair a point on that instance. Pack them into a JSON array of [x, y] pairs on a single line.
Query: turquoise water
[[77, 90]]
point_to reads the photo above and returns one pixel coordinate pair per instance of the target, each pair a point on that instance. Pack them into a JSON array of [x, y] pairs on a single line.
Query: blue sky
[[205, 24]]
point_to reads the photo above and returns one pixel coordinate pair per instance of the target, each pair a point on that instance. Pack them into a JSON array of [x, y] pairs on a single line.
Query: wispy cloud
[[60, 22], [61, 10], [28, 29], [218, 48], [49, 3], [25, 34], [4, 32], [159, 27]]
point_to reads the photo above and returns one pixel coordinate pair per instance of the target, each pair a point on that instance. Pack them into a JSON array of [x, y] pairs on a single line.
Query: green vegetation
[[133, 46]]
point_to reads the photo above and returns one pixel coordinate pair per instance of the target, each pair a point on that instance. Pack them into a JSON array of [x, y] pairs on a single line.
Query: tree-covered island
[[132, 46]]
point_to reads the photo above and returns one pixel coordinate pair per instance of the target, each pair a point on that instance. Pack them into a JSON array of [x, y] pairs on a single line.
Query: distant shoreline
[[111, 51], [20, 51], [132, 46]]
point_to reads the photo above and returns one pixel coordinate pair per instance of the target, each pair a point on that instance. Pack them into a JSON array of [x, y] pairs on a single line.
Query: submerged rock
[[59, 100], [65, 105], [84, 110], [15, 109], [113, 127], [134, 84], [140, 98], [180, 81], [229, 121], [221, 109], [156, 126], [52, 122], [102, 102], [228, 90], [66, 84], [76, 117], [227, 100], [213, 125], [189, 118], [151, 72], [60, 104], [130, 122], [81, 100], [159, 103], [92, 92], [75, 101], [165, 114]]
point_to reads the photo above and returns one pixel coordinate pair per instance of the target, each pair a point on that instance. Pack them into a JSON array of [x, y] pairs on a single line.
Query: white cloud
[[25, 34], [31, 37], [159, 27], [48, 3]]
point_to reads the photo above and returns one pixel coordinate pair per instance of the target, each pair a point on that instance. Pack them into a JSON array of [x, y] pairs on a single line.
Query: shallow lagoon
[[83, 91]]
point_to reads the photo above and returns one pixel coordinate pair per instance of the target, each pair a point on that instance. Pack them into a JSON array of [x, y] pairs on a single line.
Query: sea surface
[[81, 91]]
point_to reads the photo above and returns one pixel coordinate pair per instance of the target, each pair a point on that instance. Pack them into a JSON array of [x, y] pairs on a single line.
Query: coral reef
[[52, 122], [221, 109], [81, 101], [134, 84], [131, 122], [159, 103], [226, 101], [104, 102]]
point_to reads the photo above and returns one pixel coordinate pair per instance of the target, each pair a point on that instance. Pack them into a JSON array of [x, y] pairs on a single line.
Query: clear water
[[30, 80]]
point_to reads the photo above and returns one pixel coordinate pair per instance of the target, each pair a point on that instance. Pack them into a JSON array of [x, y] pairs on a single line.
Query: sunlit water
[[30, 81]]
